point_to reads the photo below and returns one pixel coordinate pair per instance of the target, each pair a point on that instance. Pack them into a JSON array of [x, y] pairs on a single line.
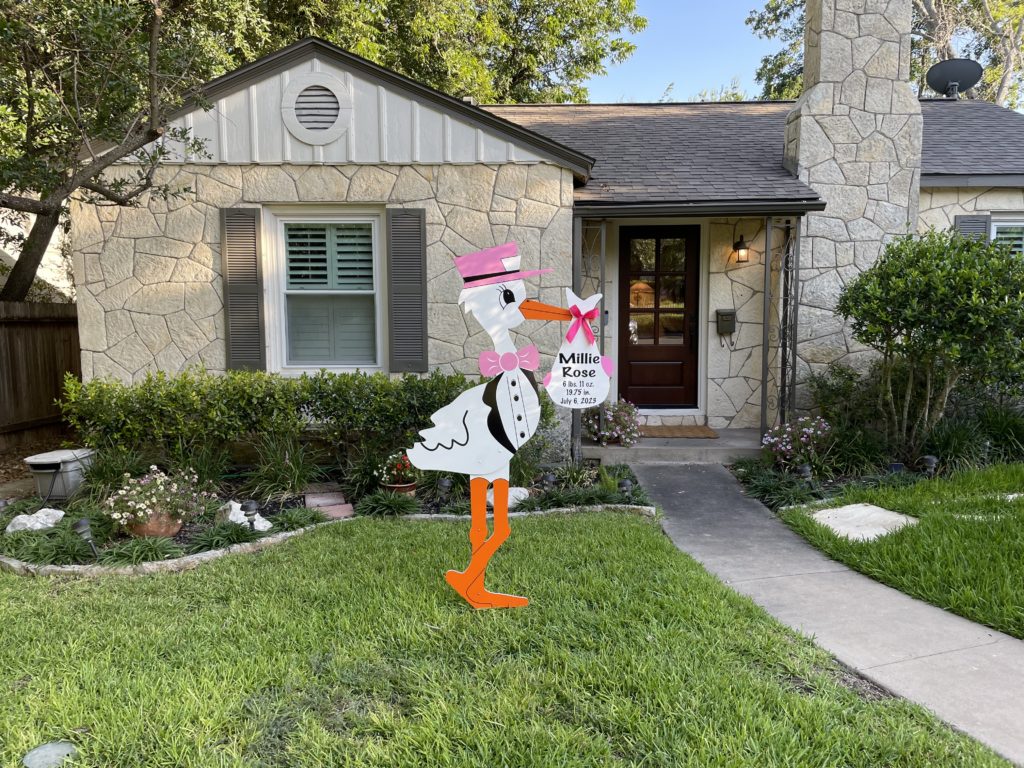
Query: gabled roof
[[310, 47], [971, 143], [675, 153]]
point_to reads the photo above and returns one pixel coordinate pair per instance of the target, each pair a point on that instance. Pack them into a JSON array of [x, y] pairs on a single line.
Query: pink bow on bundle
[[491, 363], [581, 320]]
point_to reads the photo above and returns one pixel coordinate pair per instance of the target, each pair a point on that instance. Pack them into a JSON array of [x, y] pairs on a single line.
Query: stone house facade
[[320, 229]]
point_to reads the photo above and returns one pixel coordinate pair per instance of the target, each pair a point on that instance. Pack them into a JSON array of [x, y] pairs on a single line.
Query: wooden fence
[[38, 345]]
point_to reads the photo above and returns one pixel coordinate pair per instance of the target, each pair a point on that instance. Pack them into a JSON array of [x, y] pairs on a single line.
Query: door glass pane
[[673, 254], [641, 255], [641, 294], [671, 292], [641, 328], [671, 328]]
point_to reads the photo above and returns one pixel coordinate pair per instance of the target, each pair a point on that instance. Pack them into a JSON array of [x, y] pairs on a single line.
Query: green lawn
[[966, 554], [345, 647]]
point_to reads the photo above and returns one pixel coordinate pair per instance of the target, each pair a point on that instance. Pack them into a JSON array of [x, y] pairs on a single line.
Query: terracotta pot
[[157, 525], [406, 489]]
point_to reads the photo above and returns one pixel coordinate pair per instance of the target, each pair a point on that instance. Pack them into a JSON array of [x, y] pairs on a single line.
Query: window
[[1009, 233], [330, 297]]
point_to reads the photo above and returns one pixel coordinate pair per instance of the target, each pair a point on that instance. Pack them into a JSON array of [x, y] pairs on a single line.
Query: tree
[[731, 92], [84, 85], [991, 31], [939, 309], [502, 51]]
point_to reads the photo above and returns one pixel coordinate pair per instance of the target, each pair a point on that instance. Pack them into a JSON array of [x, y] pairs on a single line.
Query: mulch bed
[[12, 460], [268, 509]]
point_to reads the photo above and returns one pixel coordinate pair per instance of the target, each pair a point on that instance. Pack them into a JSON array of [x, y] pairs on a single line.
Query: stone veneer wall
[[150, 295], [855, 136], [734, 372], [940, 207]]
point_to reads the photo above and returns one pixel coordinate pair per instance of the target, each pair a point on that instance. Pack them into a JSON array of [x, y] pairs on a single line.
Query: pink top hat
[[493, 265]]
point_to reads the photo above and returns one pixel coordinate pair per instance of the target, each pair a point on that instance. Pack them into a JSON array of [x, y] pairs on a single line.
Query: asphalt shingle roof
[[971, 137], [709, 152]]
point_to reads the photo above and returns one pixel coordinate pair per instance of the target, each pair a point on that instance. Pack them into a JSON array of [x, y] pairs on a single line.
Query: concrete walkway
[[969, 675]]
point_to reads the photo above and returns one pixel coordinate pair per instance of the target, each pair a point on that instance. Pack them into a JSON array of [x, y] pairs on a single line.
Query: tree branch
[[27, 204], [154, 49]]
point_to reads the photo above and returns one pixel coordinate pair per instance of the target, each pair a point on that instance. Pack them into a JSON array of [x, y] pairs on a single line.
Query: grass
[[964, 554], [346, 648]]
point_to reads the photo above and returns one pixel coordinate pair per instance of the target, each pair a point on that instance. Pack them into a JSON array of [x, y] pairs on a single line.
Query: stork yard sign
[[479, 432]]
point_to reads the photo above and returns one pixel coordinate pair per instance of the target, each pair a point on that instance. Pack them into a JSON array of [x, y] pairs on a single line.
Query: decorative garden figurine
[[581, 377], [481, 430]]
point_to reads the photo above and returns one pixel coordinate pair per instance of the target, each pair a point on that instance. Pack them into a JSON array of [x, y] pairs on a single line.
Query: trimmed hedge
[[162, 414]]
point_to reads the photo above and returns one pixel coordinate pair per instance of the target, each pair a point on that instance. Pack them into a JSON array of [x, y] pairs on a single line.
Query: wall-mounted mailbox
[[726, 320]]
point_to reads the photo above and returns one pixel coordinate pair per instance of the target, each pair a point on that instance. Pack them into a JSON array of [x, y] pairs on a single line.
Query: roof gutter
[[577, 162], [972, 180], [703, 208]]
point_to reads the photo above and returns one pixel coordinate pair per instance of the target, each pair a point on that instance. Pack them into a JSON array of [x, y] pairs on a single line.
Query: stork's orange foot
[[477, 596]]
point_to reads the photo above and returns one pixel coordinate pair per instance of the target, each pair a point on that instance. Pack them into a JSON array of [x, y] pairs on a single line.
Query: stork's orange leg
[[470, 583]]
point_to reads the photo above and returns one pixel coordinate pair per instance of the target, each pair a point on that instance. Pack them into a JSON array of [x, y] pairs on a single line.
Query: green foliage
[[386, 504], [780, 73], [208, 459], [144, 550], [222, 535], [110, 463], [959, 443], [1003, 425], [939, 308], [576, 475], [297, 517], [770, 486], [286, 467], [57, 546], [359, 473]]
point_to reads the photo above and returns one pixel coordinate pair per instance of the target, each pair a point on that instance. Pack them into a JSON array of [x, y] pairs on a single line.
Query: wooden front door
[[659, 269]]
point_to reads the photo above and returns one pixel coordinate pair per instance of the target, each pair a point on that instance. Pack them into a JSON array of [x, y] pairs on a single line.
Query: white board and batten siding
[[376, 124]]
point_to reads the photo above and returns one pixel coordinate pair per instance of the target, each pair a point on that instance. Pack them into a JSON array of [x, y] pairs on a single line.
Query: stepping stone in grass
[[862, 522], [50, 755]]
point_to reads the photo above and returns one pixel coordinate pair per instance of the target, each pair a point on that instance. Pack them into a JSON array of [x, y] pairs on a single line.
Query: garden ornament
[[480, 431]]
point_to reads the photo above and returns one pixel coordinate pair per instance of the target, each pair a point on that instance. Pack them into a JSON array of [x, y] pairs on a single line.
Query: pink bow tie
[[491, 363], [581, 320]]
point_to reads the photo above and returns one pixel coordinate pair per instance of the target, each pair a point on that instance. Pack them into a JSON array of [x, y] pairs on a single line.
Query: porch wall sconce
[[742, 251]]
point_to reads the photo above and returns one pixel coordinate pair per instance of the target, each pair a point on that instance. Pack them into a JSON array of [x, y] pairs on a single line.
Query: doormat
[[701, 431]]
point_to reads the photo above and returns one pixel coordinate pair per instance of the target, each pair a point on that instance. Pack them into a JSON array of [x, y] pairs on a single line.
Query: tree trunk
[[19, 281]]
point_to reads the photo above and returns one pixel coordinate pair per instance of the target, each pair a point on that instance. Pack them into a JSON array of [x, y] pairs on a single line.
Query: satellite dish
[[952, 77]]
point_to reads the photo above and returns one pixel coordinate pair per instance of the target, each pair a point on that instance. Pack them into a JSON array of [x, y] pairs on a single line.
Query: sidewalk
[[967, 674]]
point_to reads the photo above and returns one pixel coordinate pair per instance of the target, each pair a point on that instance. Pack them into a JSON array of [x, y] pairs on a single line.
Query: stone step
[[337, 511], [731, 444], [316, 500]]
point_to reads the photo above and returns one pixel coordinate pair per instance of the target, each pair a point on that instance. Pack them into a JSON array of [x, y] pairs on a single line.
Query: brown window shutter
[[243, 289], [974, 226], [407, 289]]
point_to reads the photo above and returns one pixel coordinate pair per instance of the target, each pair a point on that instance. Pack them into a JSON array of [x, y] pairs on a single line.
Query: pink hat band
[[493, 265]]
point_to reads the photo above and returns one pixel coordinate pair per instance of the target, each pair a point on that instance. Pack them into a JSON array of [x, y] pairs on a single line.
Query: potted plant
[[157, 504], [617, 422], [398, 474]]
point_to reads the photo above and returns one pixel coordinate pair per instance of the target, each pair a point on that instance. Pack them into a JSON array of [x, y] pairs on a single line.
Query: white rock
[[232, 512], [862, 522], [515, 496], [42, 520]]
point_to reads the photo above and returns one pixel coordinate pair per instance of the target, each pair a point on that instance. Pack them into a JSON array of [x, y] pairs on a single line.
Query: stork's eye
[[506, 297]]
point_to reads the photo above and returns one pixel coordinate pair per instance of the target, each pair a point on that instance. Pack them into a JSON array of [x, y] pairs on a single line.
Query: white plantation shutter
[[1011, 235], [331, 307]]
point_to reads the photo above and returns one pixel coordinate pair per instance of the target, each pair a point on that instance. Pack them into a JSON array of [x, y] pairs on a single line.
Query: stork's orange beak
[[535, 310]]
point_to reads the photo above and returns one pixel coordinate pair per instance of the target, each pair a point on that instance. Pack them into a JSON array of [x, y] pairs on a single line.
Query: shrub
[[771, 487], [951, 308], [359, 474], [1003, 425], [209, 460], [57, 546], [222, 535], [285, 468], [179, 496], [576, 475], [386, 504], [621, 423], [959, 443], [110, 464], [799, 442], [135, 551], [297, 517]]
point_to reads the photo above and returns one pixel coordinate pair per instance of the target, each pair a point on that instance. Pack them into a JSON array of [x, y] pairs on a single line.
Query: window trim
[[275, 287], [1005, 220]]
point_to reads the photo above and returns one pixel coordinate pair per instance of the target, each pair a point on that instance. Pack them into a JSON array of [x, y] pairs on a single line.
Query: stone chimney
[[855, 137]]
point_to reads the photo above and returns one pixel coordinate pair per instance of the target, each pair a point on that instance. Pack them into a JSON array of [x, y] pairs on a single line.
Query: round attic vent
[[316, 108]]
